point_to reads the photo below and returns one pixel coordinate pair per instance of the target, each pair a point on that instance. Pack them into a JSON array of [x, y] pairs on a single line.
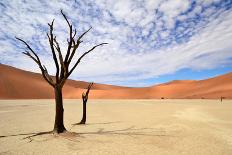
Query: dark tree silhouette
[[84, 100], [222, 98], [62, 65]]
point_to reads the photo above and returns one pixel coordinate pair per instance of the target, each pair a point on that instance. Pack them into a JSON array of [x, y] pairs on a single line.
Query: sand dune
[[20, 84]]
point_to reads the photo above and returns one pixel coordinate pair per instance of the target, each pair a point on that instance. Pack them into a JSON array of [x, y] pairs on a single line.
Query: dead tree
[[84, 100], [63, 68], [222, 98]]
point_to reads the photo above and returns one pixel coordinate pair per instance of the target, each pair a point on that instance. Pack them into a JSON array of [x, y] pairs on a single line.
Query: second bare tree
[[85, 97]]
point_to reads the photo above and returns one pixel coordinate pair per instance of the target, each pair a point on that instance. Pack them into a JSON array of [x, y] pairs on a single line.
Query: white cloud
[[173, 8], [144, 40]]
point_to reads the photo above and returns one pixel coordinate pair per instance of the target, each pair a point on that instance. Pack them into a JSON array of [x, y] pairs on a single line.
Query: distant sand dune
[[20, 84]]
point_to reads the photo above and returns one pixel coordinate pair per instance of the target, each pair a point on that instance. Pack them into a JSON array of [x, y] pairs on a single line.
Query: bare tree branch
[[65, 18], [85, 95], [28, 46], [73, 53], [75, 32], [81, 36], [84, 54], [51, 42], [70, 37], [88, 89], [33, 58], [77, 45], [36, 59], [45, 74], [63, 71]]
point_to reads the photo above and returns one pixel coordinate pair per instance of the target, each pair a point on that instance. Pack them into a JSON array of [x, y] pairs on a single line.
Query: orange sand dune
[[20, 84]]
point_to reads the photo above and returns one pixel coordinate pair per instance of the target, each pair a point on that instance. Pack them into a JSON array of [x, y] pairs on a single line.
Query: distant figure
[[85, 99]]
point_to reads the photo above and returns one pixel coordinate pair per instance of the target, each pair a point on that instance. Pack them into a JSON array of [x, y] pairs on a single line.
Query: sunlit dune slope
[[20, 84]]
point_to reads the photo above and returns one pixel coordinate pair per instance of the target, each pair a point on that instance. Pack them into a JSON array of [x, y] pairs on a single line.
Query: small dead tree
[[63, 70], [222, 98], [85, 97]]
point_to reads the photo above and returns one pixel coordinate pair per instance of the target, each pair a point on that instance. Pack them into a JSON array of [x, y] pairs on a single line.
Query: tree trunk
[[84, 113], [59, 118]]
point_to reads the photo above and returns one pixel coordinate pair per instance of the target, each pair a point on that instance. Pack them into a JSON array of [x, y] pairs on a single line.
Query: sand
[[133, 127]]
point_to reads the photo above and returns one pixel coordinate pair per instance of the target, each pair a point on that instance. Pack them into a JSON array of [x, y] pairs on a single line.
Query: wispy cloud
[[147, 38]]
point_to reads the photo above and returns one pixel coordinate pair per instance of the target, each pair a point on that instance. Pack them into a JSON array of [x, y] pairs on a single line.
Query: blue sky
[[150, 41]]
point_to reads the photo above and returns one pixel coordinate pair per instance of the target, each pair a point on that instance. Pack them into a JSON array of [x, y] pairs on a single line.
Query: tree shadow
[[30, 136], [96, 123], [130, 131]]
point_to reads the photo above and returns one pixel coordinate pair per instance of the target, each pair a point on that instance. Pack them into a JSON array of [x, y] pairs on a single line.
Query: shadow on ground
[[96, 123], [130, 131]]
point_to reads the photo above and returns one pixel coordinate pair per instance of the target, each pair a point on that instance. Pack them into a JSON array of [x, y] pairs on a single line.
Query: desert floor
[[119, 127]]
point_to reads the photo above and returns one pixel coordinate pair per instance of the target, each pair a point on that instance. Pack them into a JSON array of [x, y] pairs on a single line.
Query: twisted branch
[[36, 59]]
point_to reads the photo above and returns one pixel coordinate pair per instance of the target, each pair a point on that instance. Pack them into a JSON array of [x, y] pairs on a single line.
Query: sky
[[150, 41]]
